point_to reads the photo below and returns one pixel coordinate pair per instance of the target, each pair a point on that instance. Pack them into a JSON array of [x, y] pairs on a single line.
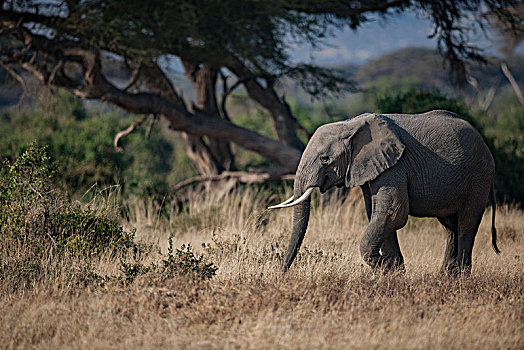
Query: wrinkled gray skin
[[428, 165]]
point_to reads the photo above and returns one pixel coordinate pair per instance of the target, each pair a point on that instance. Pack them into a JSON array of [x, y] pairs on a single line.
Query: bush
[[44, 235], [414, 100], [180, 262], [34, 211], [184, 262], [80, 141], [507, 137]]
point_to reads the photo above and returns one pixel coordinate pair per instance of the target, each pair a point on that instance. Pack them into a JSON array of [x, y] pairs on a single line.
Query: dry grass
[[327, 300]]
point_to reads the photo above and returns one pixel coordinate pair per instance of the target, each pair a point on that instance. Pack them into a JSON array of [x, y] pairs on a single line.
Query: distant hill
[[425, 66]]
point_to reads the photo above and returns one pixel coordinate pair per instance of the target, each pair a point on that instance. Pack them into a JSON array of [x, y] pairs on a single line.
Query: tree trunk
[[283, 120], [200, 154], [204, 80]]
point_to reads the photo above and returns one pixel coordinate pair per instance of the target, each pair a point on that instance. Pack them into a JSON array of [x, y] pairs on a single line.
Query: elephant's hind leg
[[450, 264], [467, 227], [469, 217]]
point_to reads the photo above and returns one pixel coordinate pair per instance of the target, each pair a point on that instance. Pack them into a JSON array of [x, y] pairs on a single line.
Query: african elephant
[[433, 164]]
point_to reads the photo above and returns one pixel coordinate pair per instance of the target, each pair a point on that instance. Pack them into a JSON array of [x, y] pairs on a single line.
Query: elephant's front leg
[[391, 253], [379, 237], [389, 213]]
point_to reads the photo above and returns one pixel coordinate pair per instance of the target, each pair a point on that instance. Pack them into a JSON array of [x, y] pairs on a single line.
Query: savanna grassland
[[328, 299]]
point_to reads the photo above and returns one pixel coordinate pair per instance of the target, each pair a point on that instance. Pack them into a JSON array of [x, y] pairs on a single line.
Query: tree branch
[[95, 85], [227, 92], [239, 176], [268, 99], [513, 82], [18, 78], [150, 126], [134, 77], [126, 132], [348, 10]]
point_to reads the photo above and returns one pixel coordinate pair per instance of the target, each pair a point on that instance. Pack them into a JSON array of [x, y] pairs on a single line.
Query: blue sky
[[378, 37], [373, 39]]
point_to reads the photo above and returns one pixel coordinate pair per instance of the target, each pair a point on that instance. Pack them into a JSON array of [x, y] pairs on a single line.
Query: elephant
[[433, 164]]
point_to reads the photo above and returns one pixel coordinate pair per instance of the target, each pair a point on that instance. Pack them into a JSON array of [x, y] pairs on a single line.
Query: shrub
[[34, 211], [414, 100], [178, 262], [80, 141], [184, 262]]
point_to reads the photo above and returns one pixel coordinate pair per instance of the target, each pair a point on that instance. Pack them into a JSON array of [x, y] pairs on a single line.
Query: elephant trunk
[[300, 222]]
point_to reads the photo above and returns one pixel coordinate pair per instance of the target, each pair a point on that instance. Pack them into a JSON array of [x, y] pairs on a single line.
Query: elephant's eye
[[324, 159]]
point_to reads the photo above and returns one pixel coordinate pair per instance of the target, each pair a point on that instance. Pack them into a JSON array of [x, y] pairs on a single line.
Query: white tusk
[[285, 202], [289, 200], [302, 198]]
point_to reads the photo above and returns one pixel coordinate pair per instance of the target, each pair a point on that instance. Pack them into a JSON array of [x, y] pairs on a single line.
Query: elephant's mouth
[[330, 182]]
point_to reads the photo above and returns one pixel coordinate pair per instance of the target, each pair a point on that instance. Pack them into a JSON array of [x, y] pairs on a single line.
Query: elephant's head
[[348, 153]]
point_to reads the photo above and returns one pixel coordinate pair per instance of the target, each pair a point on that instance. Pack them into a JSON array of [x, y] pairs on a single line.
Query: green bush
[[42, 232], [178, 262], [184, 262], [34, 211], [506, 132], [80, 141]]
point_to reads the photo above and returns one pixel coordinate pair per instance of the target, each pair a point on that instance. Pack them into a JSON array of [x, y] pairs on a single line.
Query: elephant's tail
[[493, 211]]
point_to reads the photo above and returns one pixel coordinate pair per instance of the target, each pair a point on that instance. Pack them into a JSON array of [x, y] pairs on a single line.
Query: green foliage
[[312, 116], [131, 271], [506, 134], [80, 141], [178, 262], [38, 222], [414, 100], [34, 211], [253, 119], [184, 262], [42, 231]]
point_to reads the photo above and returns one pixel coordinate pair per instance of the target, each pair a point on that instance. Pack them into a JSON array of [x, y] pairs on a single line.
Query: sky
[[378, 37], [372, 39]]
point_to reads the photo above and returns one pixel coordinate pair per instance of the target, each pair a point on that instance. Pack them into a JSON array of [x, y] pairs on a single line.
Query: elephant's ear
[[373, 148]]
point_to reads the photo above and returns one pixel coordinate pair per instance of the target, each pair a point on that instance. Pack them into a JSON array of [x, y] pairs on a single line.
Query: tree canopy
[[220, 43]]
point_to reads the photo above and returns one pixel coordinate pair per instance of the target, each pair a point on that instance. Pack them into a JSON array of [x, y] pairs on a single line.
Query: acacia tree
[[231, 42]]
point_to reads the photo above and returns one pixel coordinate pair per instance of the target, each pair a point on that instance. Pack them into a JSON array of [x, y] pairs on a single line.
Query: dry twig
[[512, 81], [126, 132]]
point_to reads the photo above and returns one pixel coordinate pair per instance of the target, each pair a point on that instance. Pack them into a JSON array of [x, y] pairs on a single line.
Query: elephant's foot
[[383, 255], [453, 269], [450, 270], [388, 265], [393, 260], [385, 264]]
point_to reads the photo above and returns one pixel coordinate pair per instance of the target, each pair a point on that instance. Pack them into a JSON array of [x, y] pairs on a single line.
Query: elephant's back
[[444, 134], [444, 157]]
